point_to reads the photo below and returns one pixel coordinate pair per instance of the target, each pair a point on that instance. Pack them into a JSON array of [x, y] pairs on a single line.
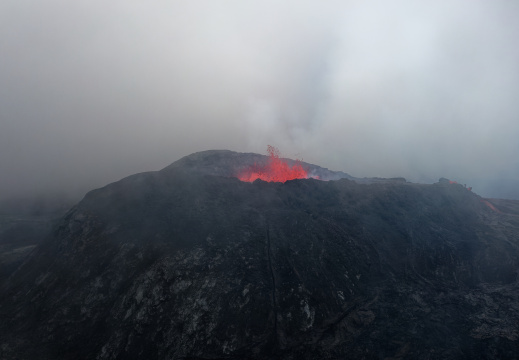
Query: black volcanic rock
[[24, 222], [191, 263]]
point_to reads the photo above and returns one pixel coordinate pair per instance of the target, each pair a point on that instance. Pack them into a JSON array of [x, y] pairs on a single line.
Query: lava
[[276, 169]]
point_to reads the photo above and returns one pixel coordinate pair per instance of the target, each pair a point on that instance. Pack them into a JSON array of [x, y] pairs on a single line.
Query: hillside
[[24, 223], [191, 263]]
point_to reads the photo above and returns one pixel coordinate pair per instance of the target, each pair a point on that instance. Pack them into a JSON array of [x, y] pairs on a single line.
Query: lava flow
[[276, 170]]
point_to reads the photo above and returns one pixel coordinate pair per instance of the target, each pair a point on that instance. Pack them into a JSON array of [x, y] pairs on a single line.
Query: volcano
[[190, 262]]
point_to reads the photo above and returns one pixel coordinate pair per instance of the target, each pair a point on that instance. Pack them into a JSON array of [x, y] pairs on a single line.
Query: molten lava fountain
[[276, 170]]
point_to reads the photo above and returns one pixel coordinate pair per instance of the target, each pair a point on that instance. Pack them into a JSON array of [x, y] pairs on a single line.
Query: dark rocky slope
[[25, 222], [189, 263]]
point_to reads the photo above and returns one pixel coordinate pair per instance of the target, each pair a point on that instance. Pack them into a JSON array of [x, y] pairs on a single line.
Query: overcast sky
[[92, 91]]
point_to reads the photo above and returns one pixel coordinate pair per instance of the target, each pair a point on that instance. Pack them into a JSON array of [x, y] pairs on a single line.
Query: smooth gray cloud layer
[[93, 91]]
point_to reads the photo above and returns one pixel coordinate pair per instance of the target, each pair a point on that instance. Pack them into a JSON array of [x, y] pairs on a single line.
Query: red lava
[[276, 170]]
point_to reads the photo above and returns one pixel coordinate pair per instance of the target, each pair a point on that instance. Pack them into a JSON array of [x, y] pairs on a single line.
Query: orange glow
[[489, 204], [276, 170]]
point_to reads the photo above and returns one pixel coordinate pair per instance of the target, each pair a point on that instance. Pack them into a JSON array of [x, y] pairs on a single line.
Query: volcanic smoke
[[276, 170]]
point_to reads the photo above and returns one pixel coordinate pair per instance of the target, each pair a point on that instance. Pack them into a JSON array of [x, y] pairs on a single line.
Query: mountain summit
[[191, 263]]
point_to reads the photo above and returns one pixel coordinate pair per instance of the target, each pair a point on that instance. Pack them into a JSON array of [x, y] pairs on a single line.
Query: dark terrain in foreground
[[191, 263]]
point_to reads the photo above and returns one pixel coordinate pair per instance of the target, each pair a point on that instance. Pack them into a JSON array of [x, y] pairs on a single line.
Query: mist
[[91, 92]]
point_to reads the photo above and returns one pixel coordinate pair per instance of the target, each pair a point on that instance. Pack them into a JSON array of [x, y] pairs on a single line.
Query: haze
[[91, 92]]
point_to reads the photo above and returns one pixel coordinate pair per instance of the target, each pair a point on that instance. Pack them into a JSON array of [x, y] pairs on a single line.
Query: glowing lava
[[276, 170]]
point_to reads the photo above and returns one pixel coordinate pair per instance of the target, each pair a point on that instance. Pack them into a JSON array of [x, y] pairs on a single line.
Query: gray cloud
[[94, 91]]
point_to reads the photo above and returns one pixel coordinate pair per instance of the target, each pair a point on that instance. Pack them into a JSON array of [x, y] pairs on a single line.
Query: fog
[[91, 92]]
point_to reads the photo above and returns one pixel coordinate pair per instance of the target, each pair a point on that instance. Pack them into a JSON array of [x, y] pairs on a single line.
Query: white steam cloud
[[94, 91]]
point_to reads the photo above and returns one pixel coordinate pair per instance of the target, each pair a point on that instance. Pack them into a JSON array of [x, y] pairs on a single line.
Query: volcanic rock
[[191, 263], [24, 222]]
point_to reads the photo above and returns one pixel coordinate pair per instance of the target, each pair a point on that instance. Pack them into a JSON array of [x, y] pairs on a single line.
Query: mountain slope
[[190, 263]]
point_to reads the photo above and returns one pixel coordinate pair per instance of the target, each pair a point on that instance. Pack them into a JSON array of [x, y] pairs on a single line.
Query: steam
[[90, 92]]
